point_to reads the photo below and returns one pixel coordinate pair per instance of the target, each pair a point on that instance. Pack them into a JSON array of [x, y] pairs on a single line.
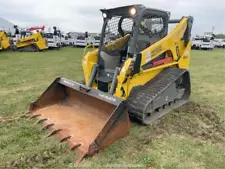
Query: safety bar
[[172, 21]]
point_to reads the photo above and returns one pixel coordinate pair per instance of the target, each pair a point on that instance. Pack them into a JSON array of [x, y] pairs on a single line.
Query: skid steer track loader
[[33, 43], [138, 71]]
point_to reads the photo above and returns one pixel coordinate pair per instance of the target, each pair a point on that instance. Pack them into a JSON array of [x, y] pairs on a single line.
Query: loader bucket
[[89, 120]]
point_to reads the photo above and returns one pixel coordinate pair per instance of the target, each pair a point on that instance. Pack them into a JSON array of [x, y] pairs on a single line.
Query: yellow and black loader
[[32, 43], [142, 74]]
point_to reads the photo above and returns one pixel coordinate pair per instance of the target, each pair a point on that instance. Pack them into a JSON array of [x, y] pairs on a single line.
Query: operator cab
[[126, 32]]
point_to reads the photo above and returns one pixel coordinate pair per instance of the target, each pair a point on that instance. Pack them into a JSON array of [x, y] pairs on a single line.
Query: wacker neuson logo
[[107, 97], [68, 83]]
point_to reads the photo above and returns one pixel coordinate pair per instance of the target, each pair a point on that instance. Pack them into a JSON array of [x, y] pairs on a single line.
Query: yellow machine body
[[35, 42], [4, 41], [171, 45]]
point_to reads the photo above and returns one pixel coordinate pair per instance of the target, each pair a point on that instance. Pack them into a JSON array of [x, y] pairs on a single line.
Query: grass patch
[[192, 136]]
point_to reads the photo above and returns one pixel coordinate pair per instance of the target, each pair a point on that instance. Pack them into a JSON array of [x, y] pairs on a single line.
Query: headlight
[[104, 15], [133, 11]]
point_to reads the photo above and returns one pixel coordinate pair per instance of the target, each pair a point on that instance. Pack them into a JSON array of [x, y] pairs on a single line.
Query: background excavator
[[142, 74], [4, 41]]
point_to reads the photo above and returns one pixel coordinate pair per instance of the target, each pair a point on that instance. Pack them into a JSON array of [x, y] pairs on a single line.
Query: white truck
[[219, 43], [81, 41], [223, 42], [202, 43], [96, 41], [70, 40], [52, 40], [65, 40]]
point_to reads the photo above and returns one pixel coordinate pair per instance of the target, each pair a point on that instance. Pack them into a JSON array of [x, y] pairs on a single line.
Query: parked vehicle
[[202, 43], [80, 41]]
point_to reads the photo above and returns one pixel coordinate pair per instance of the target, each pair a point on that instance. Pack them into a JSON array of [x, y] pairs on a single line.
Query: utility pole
[[213, 29]]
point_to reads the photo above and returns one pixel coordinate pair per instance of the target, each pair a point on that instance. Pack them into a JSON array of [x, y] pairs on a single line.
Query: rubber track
[[141, 97], [28, 49]]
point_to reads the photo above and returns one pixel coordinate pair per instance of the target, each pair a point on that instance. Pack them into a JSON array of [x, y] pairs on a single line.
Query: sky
[[84, 15]]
